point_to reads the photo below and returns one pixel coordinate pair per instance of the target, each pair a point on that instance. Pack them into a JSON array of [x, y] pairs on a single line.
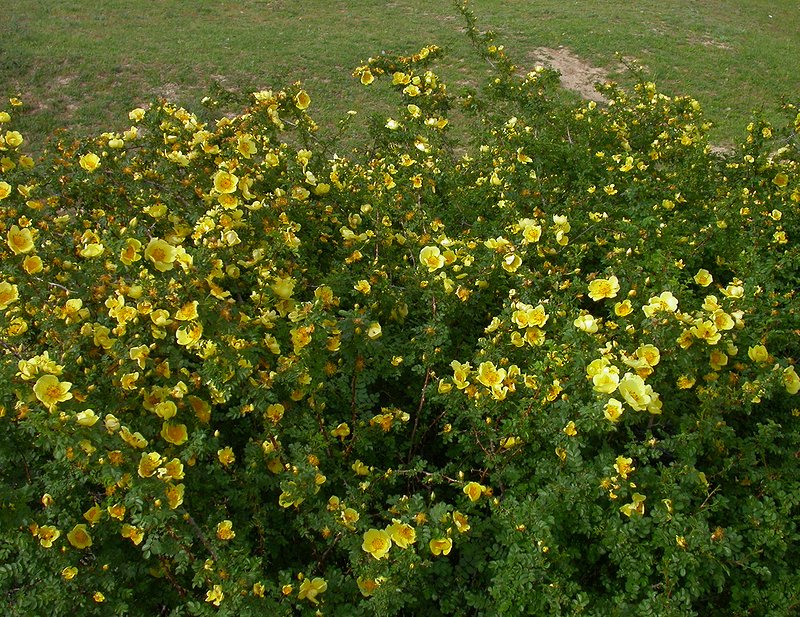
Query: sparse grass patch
[[83, 65]]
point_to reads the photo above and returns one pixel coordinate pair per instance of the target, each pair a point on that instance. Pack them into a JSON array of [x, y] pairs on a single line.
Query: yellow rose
[[20, 240], [50, 391], [90, 162], [441, 546], [79, 537], [633, 390], [431, 257], [302, 100], [161, 254], [174, 433], [473, 490], [225, 182], [402, 534], [14, 139], [604, 288], [311, 588], [377, 543], [8, 295]]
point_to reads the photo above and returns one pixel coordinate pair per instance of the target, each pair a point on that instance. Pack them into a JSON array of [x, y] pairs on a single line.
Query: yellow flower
[[50, 391], [441, 546], [473, 490], [374, 331], [47, 535], [623, 466], [377, 543], [174, 433], [791, 381], [703, 278], [226, 456], [705, 330], [342, 430], [175, 495], [431, 257], [215, 595], [490, 376], [665, 302], [69, 573], [685, 382], [189, 336], [367, 77], [98, 597], [363, 286], [635, 507], [460, 373], [461, 521], [166, 410], [758, 353], [587, 323], [225, 530], [130, 252], [20, 240], [402, 534], [32, 264], [5, 190], [367, 586], [79, 537], [90, 161], [633, 390], [311, 588], [86, 417], [613, 410], [93, 514], [623, 309], [94, 249], [606, 380], [134, 440], [225, 182], [161, 254], [604, 288], [531, 232], [649, 354], [14, 139], [149, 463], [302, 100], [780, 180], [187, 312], [8, 295], [135, 534], [718, 359]]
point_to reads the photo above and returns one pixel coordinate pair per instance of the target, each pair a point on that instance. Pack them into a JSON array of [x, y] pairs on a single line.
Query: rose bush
[[548, 371]]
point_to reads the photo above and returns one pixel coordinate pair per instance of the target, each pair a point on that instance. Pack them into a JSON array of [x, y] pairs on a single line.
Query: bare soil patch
[[576, 74]]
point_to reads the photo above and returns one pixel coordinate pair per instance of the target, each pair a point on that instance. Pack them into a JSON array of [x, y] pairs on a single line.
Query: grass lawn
[[84, 64]]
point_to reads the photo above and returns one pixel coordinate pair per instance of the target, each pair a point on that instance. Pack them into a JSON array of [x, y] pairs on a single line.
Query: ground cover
[[83, 64]]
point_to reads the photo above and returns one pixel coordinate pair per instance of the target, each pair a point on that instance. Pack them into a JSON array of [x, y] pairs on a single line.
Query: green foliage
[[550, 374]]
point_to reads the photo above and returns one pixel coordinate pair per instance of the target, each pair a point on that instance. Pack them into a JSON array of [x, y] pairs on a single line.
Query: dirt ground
[[576, 74]]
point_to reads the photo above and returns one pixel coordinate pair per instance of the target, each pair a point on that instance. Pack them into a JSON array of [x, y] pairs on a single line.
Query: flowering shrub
[[548, 372]]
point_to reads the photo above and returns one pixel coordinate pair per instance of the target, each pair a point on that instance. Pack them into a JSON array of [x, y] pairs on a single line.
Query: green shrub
[[547, 372]]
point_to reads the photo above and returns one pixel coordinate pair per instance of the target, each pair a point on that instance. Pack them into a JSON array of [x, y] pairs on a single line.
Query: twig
[[201, 536], [419, 412]]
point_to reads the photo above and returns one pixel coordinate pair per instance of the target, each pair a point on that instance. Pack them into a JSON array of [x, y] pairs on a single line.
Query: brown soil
[[576, 74]]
